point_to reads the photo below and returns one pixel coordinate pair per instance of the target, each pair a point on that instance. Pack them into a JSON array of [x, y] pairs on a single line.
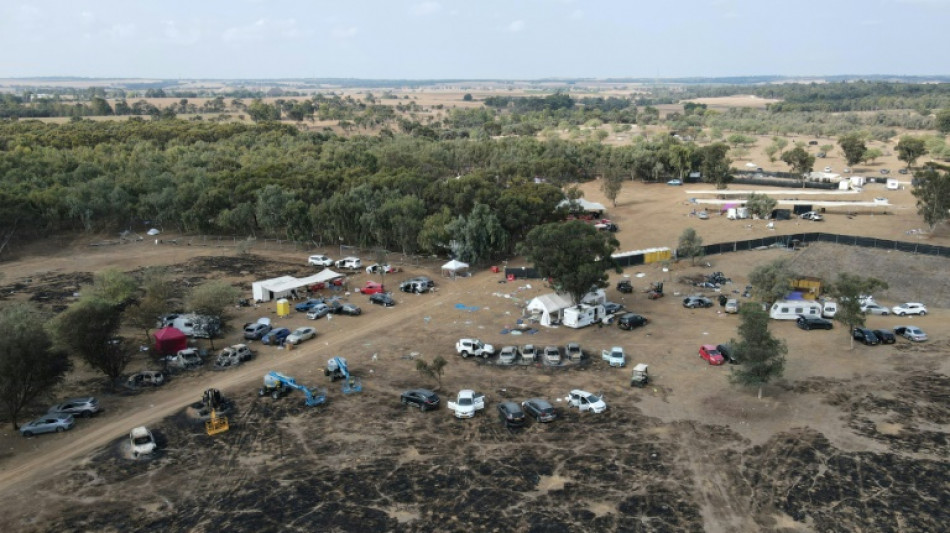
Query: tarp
[[169, 340], [549, 307]]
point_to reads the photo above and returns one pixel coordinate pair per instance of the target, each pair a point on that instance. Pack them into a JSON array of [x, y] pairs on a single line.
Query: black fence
[[791, 241], [522, 273]]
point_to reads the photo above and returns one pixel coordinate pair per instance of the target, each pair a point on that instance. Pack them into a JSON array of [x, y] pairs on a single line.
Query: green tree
[[29, 366], [716, 166], [761, 204], [690, 246], [826, 148], [853, 147], [762, 356], [434, 236], [770, 282], [611, 183], [846, 289], [871, 154], [575, 254], [479, 235], [435, 369], [214, 299], [88, 329], [910, 149], [775, 147], [113, 286], [801, 162], [932, 190], [467, 97], [943, 120]]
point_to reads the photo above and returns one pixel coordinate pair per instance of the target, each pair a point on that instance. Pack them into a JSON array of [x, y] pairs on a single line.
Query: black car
[[612, 308], [346, 309], [511, 414], [625, 286], [631, 320], [866, 336], [383, 299], [540, 410], [727, 353], [886, 336], [813, 322], [424, 399]]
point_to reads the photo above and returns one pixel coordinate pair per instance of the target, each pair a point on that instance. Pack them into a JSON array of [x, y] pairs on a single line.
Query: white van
[[791, 309], [829, 309], [582, 316]]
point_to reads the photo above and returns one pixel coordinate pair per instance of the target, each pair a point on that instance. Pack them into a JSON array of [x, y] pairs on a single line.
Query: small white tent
[[548, 307], [453, 267]]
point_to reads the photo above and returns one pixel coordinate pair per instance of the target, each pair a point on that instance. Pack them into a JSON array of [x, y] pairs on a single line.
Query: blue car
[[303, 307], [47, 424], [276, 337]]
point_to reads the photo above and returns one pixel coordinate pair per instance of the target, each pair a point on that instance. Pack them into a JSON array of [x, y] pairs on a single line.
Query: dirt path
[[46, 460]]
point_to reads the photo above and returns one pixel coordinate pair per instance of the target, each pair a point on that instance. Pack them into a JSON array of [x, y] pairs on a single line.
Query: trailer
[[792, 309], [583, 315]]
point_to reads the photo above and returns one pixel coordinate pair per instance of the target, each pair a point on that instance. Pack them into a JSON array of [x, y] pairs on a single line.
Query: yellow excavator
[[215, 424]]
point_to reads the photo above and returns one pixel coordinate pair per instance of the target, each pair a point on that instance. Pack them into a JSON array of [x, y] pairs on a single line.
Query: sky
[[472, 39]]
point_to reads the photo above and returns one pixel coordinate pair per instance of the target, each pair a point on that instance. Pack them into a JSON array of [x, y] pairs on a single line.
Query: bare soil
[[850, 439]]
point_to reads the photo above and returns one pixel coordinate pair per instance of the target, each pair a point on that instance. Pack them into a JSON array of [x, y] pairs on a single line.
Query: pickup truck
[[467, 403], [467, 347]]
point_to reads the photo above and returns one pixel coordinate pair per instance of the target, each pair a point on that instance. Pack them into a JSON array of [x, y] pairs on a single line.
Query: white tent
[[284, 286], [453, 267], [549, 307]]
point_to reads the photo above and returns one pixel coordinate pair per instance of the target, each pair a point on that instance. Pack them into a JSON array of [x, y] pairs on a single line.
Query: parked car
[[692, 302], [827, 169], [468, 347], [573, 351], [910, 308], [371, 287], [912, 333], [233, 355], [144, 378], [614, 356], [48, 423], [467, 403], [875, 309], [185, 359], [629, 321], [702, 215], [84, 407], [625, 286], [675, 182], [426, 280], [349, 263], [711, 354], [903, 171], [813, 322], [821, 154], [539, 409], [847, 170], [866, 336], [511, 414], [885, 335], [414, 286], [347, 309], [727, 353], [612, 308], [142, 442], [586, 401], [424, 399], [507, 355], [301, 334], [812, 215], [885, 171], [383, 299], [318, 311], [275, 337], [308, 304], [552, 355], [377, 268], [732, 306], [257, 330], [320, 260], [529, 352]]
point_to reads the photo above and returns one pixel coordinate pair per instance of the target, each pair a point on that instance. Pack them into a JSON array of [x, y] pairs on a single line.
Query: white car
[[615, 356], [812, 215], [586, 401], [507, 355], [320, 260], [827, 169], [301, 334], [909, 308], [467, 403], [377, 268], [875, 309], [142, 441], [350, 263]]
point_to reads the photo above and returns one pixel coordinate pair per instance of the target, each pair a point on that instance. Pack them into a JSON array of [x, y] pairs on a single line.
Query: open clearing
[[849, 440]]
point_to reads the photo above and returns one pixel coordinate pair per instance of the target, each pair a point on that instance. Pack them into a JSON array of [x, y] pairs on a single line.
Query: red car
[[372, 287], [711, 354]]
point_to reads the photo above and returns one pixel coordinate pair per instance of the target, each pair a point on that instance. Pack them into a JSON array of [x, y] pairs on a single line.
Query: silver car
[[507, 355], [84, 407], [48, 424]]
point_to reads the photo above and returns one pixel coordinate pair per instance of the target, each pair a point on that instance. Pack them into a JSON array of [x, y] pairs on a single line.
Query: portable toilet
[[283, 307]]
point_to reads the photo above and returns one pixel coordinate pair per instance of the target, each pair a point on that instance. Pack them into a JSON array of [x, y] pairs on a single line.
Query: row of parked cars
[[61, 417], [512, 414]]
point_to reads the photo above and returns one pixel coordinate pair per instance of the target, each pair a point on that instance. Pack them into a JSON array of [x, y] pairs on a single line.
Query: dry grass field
[[849, 439]]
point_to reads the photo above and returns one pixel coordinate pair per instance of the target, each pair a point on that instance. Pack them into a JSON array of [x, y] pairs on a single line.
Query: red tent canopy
[[169, 340]]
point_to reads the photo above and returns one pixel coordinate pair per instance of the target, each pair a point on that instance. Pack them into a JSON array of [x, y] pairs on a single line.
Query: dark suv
[[866, 336], [511, 414], [424, 399], [630, 321], [886, 336], [541, 410]]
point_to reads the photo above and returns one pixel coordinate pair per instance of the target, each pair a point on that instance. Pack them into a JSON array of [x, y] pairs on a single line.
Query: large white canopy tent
[[284, 286], [453, 268]]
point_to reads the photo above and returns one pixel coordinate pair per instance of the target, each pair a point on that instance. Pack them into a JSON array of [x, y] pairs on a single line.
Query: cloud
[[515, 26], [344, 33], [87, 18], [426, 8], [577, 14], [262, 30], [176, 35]]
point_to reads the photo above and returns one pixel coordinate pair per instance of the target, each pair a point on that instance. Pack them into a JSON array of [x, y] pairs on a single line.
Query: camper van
[[791, 309], [583, 315]]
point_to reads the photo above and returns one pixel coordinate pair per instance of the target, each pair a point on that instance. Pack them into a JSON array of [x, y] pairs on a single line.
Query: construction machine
[[277, 385], [213, 401], [337, 369]]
